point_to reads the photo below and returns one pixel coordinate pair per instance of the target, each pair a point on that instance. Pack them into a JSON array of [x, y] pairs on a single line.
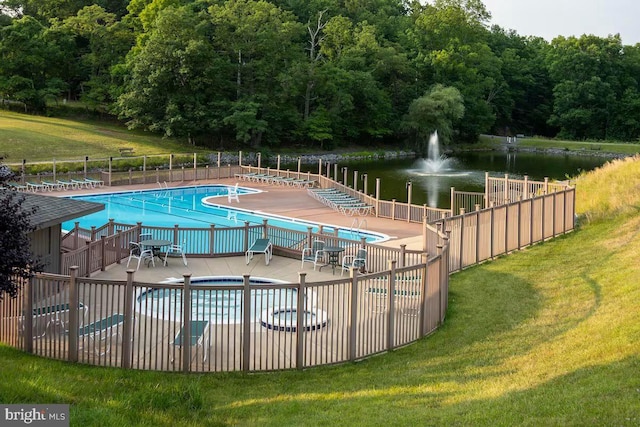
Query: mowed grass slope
[[547, 336], [38, 138]]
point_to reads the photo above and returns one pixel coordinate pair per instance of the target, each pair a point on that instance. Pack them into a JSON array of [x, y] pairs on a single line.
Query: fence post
[[186, 322], [246, 323], [423, 296], [144, 169], [88, 259], [27, 335], [377, 197], [176, 229], [118, 246], [127, 326], [195, 166], [103, 251], [506, 189], [300, 315], [486, 190], [246, 237], [391, 303], [212, 240], [76, 235], [461, 255], [409, 194], [73, 314], [354, 314], [453, 201], [403, 254]]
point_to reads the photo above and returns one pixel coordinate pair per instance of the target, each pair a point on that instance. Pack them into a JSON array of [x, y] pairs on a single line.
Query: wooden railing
[[112, 323]]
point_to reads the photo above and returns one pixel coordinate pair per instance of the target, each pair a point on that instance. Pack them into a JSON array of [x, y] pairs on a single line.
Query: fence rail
[[151, 326], [205, 328]]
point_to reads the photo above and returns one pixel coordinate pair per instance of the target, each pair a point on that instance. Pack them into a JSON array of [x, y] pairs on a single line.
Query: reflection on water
[[465, 172]]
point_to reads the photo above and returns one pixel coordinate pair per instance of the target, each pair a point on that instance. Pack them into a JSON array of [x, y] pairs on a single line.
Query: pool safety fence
[[210, 327]]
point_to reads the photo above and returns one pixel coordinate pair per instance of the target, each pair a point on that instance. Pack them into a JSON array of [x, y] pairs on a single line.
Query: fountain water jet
[[435, 163]]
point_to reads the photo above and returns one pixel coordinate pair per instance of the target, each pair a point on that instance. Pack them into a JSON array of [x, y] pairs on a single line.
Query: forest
[[314, 73]]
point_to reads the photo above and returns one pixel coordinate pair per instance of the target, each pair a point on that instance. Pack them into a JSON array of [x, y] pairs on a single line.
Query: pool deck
[[278, 200]]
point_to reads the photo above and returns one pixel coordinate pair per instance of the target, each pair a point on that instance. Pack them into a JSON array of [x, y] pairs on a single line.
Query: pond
[[464, 171]]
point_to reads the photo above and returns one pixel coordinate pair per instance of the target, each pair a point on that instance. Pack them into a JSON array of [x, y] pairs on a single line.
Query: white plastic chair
[[176, 250], [136, 252], [357, 261], [314, 254], [233, 194]]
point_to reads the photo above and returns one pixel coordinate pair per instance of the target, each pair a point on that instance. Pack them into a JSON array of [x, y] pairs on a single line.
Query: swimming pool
[[187, 207], [224, 305]]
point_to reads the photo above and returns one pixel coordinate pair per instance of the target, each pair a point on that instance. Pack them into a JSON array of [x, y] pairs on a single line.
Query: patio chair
[[232, 194], [99, 333], [199, 338], [95, 182], [33, 186], [175, 251], [17, 186], [67, 185], [357, 261], [314, 254], [136, 252], [262, 246], [53, 185]]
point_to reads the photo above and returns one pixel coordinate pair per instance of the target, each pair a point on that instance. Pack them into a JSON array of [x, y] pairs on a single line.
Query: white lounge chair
[[262, 246]]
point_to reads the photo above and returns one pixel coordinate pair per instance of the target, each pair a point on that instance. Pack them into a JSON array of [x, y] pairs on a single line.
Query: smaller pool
[[219, 299], [285, 319]]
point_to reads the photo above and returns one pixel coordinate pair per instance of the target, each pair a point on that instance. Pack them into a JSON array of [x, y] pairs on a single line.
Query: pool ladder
[[357, 224]]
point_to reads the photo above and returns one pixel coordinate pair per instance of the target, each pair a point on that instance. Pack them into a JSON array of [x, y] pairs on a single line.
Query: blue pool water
[[221, 306], [185, 206]]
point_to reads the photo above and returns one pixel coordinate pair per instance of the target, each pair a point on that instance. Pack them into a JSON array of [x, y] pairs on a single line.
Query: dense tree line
[[315, 72]]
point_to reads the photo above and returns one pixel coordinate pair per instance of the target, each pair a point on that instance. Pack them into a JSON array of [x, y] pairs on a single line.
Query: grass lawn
[[38, 138], [547, 336]]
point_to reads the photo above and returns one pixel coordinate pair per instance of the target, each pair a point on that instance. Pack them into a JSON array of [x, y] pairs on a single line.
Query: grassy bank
[[38, 138], [546, 336]]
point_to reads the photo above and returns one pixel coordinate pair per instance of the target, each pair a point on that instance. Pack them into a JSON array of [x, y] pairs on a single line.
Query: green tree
[[17, 261], [177, 82], [28, 63], [587, 74], [441, 109], [449, 40]]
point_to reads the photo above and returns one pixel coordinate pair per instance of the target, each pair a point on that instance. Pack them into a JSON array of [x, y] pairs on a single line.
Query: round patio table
[[334, 256]]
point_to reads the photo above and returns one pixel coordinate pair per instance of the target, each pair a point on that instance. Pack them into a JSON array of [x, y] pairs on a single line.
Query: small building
[[50, 214]]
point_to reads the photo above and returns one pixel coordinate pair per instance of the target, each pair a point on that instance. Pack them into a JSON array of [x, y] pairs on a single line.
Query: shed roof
[[56, 210]]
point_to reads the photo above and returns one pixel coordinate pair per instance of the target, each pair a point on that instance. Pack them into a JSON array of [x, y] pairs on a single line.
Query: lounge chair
[[45, 318], [314, 254], [53, 185], [32, 186], [95, 182], [94, 335], [68, 185], [199, 337], [17, 187], [82, 183], [262, 246]]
